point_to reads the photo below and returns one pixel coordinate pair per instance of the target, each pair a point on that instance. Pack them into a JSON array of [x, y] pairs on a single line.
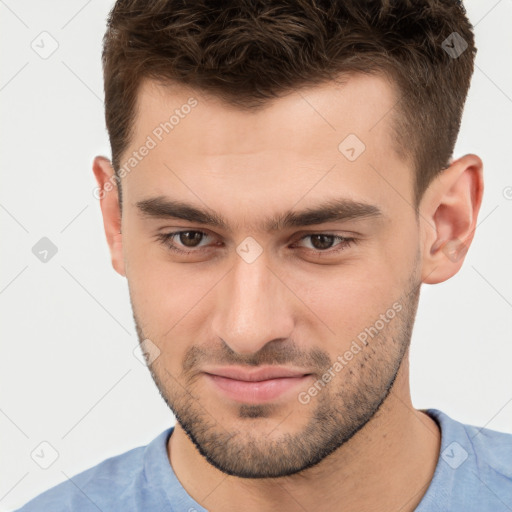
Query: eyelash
[[346, 242]]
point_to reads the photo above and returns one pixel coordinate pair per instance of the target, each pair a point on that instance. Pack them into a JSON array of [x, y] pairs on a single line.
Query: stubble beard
[[337, 413]]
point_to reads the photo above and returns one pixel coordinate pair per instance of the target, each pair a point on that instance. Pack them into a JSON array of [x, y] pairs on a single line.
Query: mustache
[[275, 353]]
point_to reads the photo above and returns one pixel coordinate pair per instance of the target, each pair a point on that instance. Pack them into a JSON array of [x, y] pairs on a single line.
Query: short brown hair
[[247, 52]]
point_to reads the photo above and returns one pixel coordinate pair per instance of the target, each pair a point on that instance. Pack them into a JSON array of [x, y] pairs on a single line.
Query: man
[[282, 183]]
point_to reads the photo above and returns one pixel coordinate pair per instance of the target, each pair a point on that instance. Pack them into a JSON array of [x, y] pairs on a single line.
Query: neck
[[387, 465]]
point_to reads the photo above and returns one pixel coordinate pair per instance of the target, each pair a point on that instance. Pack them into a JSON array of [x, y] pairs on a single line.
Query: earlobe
[[109, 202], [450, 208]]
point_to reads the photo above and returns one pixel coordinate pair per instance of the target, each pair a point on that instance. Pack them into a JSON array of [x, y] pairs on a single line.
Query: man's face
[[258, 294]]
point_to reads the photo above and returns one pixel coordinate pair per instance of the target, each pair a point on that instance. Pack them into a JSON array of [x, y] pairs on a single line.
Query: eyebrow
[[333, 210]]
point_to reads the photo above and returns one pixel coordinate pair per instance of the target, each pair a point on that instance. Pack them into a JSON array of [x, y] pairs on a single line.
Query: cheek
[[352, 297], [168, 298], [166, 311], [154, 288], [349, 304]]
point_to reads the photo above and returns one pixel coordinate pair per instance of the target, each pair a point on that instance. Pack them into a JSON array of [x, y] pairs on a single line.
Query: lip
[[256, 385]]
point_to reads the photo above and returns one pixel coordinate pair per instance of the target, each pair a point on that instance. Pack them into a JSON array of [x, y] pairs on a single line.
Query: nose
[[254, 307]]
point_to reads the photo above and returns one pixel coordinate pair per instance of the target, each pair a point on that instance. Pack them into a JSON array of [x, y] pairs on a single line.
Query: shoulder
[[489, 449], [102, 487], [474, 469]]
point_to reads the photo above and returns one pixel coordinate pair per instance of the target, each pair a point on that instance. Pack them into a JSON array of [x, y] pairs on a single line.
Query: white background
[[68, 372]]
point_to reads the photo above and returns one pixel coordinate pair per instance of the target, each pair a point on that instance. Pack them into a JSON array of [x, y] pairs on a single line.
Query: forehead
[[359, 104], [306, 143]]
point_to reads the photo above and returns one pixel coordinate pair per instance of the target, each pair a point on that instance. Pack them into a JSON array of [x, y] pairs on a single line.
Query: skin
[[289, 306]]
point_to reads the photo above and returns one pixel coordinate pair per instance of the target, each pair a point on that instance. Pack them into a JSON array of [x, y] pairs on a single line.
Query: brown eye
[[190, 238], [180, 241], [326, 242], [322, 242]]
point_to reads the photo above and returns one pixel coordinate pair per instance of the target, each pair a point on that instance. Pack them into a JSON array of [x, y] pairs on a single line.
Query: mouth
[[256, 386]]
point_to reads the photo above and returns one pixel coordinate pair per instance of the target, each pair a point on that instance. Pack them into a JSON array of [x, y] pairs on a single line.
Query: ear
[[450, 208], [109, 201]]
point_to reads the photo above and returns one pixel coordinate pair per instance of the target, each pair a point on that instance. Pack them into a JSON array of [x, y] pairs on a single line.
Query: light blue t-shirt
[[473, 474]]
